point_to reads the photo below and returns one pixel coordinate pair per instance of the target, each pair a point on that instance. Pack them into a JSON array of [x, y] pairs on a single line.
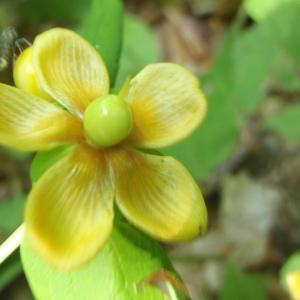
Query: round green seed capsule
[[107, 121]]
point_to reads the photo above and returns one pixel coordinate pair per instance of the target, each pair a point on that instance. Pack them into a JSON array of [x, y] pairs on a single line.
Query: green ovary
[[107, 121]]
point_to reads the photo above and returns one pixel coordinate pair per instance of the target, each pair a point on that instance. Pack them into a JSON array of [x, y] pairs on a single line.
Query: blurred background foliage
[[246, 155]]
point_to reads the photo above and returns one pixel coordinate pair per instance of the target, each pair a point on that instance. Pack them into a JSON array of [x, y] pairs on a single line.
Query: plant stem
[[171, 290], [11, 244]]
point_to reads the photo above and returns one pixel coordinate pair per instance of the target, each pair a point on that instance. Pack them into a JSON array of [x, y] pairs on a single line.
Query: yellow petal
[[69, 214], [28, 123], [167, 105], [158, 195], [69, 69], [293, 283]]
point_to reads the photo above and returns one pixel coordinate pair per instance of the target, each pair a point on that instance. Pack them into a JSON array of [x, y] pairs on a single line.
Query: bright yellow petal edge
[[69, 213], [167, 105], [158, 195]]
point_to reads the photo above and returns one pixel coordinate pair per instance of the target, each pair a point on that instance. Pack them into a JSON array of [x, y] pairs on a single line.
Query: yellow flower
[[69, 214], [293, 284]]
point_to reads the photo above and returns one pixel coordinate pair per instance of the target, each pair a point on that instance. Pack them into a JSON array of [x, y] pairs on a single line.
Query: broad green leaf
[[67, 11], [120, 271], [286, 123], [253, 58], [44, 160], [282, 25], [11, 213], [103, 27], [260, 9], [290, 266], [241, 286], [139, 49]]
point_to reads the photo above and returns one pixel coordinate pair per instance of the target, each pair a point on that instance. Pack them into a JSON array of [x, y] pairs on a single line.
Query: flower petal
[[28, 123], [69, 214], [69, 69], [167, 105], [158, 194], [293, 284]]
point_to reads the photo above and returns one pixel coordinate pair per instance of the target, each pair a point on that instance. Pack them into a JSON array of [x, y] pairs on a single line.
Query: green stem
[[11, 244]]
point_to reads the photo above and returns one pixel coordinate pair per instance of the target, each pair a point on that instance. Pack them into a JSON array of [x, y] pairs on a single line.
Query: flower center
[[107, 121]]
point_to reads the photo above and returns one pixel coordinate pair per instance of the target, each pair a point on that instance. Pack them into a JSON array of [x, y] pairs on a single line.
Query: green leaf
[[120, 271], [253, 58], [291, 265], [282, 24], [44, 160], [239, 285], [103, 27], [260, 9], [136, 54], [286, 123], [11, 213], [67, 11]]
